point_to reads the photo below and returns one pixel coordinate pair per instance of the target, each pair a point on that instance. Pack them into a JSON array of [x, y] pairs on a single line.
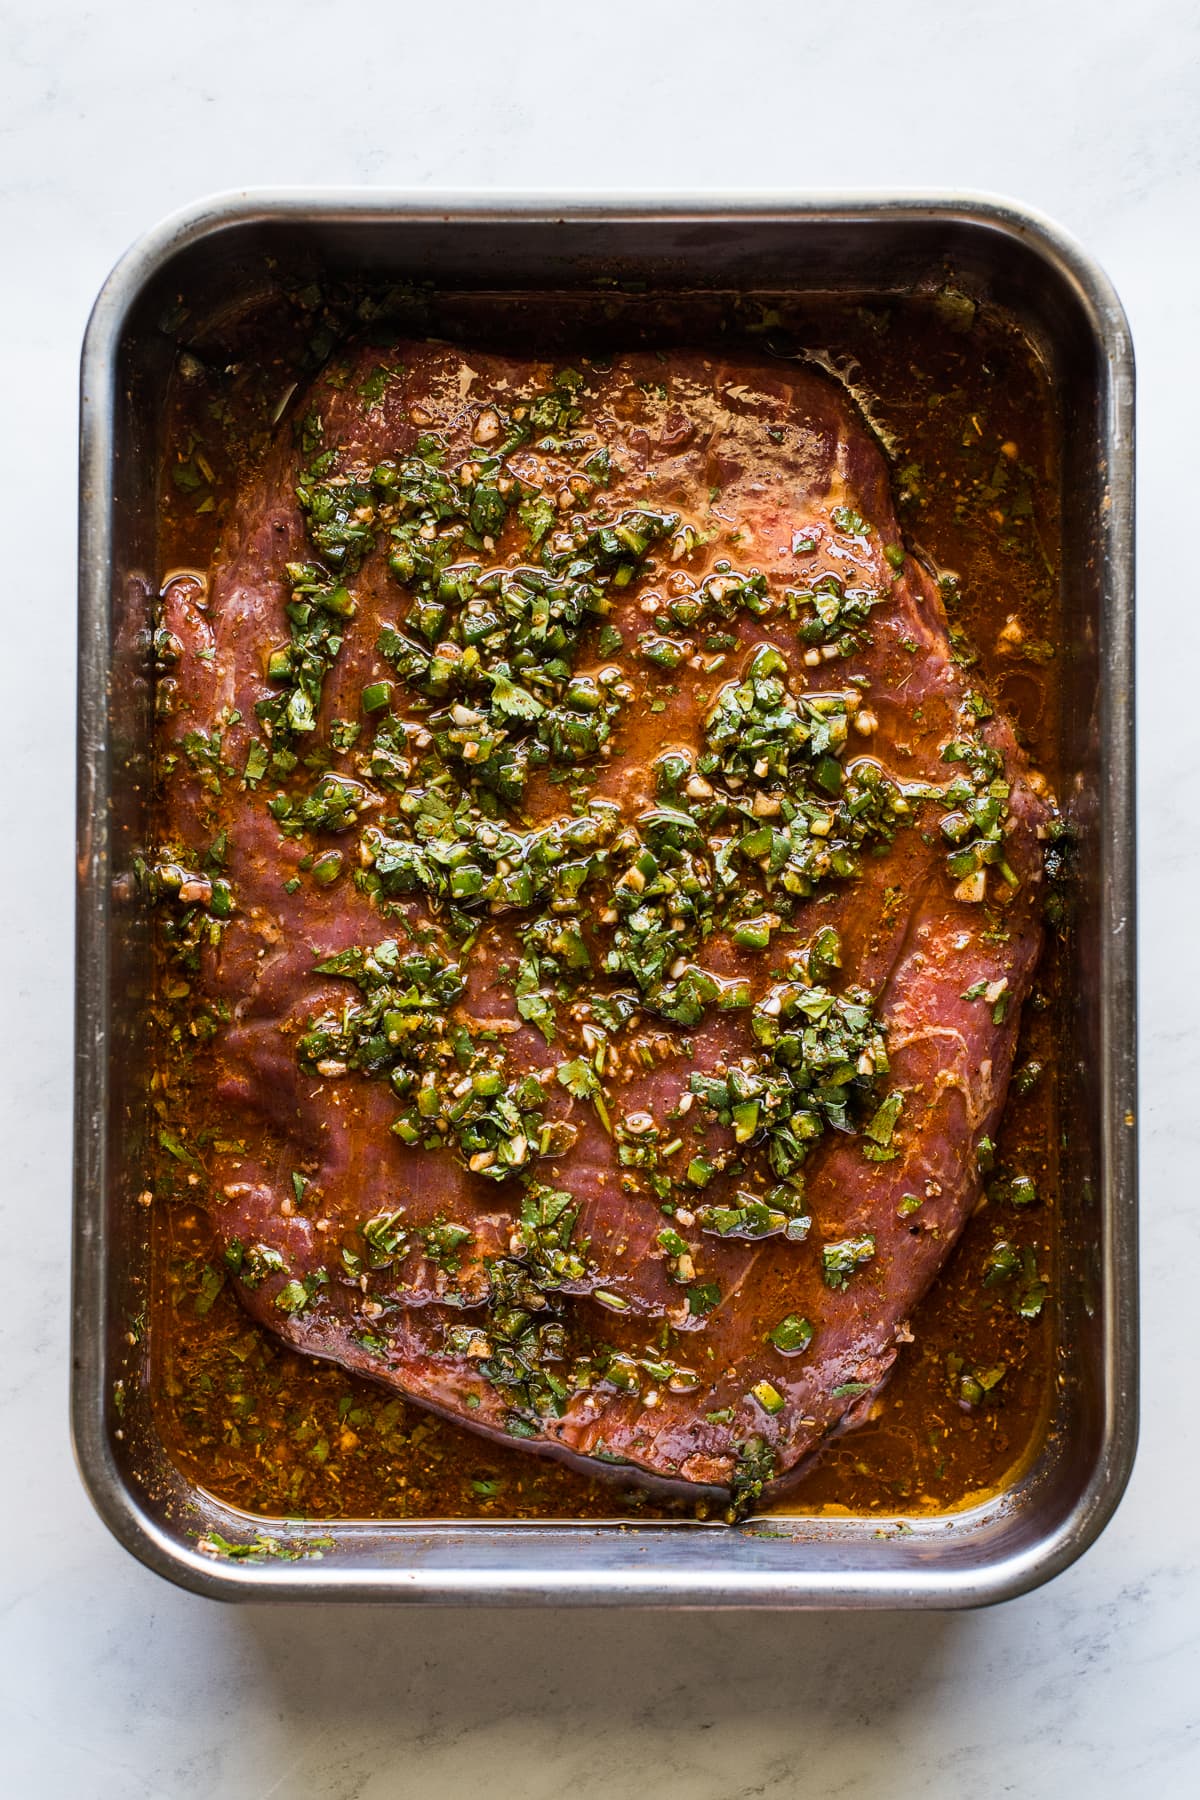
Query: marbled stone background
[[113, 1686]]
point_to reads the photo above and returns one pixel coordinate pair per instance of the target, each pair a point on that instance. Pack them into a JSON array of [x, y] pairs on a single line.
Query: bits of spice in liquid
[[967, 417]]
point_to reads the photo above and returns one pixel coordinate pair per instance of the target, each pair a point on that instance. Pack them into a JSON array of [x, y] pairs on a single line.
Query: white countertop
[[113, 1685]]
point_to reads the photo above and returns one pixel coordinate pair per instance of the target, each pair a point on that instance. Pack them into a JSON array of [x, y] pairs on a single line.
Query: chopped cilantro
[[842, 1260], [791, 1335]]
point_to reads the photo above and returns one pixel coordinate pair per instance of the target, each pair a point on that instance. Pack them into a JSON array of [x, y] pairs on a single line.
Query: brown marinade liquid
[[967, 415]]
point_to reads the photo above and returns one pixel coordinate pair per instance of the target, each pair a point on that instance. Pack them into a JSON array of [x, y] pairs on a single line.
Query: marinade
[[963, 412]]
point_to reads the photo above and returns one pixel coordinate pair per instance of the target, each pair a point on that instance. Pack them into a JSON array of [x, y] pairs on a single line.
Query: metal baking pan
[[859, 244]]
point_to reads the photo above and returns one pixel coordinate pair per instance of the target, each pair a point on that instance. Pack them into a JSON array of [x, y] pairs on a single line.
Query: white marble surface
[[112, 1684]]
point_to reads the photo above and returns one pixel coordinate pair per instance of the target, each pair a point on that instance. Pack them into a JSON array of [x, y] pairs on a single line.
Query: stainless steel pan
[[213, 256]]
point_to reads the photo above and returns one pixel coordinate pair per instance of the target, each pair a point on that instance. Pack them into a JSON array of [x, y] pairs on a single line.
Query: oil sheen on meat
[[618, 904]]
